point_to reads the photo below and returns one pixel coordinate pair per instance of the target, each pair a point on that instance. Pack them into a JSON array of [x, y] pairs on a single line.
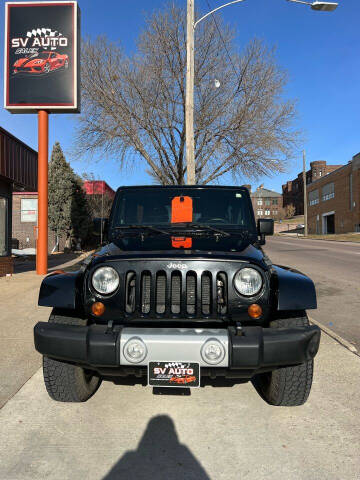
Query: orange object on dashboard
[[181, 242], [181, 209]]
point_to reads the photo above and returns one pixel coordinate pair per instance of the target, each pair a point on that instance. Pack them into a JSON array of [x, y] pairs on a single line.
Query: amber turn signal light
[[98, 308], [254, 310]]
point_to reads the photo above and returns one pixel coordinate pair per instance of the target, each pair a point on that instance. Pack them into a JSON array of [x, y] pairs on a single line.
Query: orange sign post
[[42, 242], [41, 75]]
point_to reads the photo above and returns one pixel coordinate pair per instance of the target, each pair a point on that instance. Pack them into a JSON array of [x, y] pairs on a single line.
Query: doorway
[[328, 223]]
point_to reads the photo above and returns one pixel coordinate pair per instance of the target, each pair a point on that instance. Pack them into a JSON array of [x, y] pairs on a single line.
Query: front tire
[[287, 386], [66, 382]]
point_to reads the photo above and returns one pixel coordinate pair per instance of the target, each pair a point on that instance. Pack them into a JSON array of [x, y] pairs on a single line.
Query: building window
[[328, 191], [275, 201], [314, 197], [320, 173], [29, 207], [267, 212], [3, 226], [259, 202], [267, 202], [259, 213], [351, 191]]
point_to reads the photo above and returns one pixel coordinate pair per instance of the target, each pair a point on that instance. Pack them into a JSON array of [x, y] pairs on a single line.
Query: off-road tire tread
[[288, 386], [66, 382]]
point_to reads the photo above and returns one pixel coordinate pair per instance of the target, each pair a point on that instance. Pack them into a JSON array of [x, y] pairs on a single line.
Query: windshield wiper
[[212, 229], [142, 227], [201, 226]]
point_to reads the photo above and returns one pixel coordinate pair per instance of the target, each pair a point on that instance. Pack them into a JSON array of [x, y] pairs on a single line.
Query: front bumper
[[255, 349]]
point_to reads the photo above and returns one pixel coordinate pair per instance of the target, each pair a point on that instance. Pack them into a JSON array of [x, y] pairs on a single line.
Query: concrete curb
[[301, 236], [336, 337]]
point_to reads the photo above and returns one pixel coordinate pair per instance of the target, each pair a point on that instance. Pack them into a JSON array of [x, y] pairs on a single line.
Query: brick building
[[334, 200], [18, 171], [266, 203], [98, 187], [293, 190], [25, 211], [24, 222]]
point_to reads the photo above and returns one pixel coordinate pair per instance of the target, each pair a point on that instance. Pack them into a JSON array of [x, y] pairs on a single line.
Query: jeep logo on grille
[[179, 266]]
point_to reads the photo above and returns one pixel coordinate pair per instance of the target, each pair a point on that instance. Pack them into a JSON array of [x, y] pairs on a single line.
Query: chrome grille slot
[[175, 292], [145, 292], [160, 292], [130, 285], [221, 293], [191, 293], [206, 293]]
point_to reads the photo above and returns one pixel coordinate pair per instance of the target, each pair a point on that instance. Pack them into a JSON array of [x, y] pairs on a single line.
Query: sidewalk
[[127, 433], [19, 313]]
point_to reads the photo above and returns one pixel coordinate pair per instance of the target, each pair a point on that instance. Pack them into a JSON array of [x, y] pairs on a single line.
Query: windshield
[[153, 206]]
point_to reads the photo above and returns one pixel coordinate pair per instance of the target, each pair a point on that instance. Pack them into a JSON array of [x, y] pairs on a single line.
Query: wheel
[[66, 382], [287, 386], [46, 68]]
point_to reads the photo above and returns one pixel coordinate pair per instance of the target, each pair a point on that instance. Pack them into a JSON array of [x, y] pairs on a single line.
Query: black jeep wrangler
[[181, 296]]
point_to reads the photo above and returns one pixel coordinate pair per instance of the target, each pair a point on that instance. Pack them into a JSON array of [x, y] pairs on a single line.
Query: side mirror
[[265, 227], [101, 228]]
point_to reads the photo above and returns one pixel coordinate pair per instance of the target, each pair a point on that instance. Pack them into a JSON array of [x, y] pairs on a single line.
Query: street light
[[319, 6], [189, 102]]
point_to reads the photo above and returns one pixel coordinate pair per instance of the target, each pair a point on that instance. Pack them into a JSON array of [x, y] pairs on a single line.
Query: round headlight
[[248, 282], [105, 280]]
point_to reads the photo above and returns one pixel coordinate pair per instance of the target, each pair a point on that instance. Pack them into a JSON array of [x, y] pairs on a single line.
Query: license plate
[[174, 374]]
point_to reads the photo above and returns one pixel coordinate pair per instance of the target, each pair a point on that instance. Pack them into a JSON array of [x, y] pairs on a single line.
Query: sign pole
[[43, 146]]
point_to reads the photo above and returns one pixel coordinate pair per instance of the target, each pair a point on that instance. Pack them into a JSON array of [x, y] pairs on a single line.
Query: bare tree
[[290, 211], [134, 107]]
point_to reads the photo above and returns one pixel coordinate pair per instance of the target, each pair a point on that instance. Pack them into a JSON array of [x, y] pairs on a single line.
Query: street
[[335, 269]]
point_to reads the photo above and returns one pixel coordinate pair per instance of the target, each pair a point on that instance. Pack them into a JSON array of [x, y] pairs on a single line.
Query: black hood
[[213, 243], [155, 247]]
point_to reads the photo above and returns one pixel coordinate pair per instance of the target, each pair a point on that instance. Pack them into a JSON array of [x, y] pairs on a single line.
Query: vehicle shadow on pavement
[[159, 456]]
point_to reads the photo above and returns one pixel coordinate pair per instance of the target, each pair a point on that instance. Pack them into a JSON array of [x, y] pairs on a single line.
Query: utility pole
[[305, 195], [189, 107]]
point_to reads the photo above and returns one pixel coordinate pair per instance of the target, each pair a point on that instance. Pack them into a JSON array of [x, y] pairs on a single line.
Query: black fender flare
[[295, 291], [61, 290]]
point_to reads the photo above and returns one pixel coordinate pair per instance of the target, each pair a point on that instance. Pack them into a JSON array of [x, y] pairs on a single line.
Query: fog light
[[212, 352], [255, 311], [98, 308], [135, 350]]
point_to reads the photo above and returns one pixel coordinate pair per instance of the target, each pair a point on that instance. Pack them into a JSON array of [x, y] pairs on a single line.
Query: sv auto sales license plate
[[174, 374]]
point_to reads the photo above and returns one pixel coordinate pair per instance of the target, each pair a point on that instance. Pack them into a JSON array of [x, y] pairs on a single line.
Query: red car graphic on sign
[[43, 62], [183, 380]]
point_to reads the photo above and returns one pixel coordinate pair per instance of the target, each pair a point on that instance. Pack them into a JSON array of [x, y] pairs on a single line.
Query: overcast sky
[[321, 52]]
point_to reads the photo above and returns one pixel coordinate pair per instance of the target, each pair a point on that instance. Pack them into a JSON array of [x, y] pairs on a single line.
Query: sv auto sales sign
[[42, 56]]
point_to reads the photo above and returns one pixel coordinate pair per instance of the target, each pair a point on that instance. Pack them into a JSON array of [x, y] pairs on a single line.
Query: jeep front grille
[[176, 293]]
